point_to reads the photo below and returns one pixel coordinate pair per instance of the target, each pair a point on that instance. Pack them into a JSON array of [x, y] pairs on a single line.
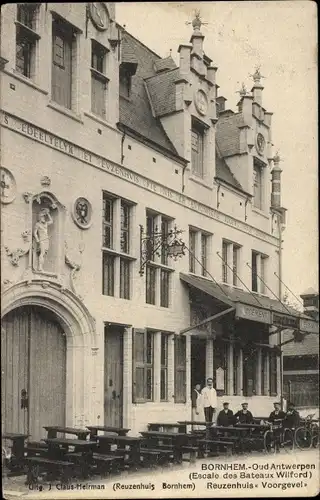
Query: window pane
[[225, 262], [257, 187], [97, 57], [164, 288], [149, 353], [63, 51], [125, 227], [180, 369], [164, 237], [107, 222], [24, 53], [98, 96], [150, 285], [197, 152], [164, 349], [124, 279], [273, 374], [204, 258], [26, 14], [163, 385], [108, 274], [149, 384], [254, 271], [235, 265], [249, 371], [262, 274], [150, 229], [139, 346], [192, 247]]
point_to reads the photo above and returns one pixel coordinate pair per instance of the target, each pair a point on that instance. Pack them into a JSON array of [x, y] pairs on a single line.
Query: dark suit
[[244, 418], [292, 420], [225, 418], [280, 416]]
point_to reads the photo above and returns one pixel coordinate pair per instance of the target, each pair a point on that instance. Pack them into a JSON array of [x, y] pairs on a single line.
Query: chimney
[[221, 104], [257, 87], [311, 303], [276, 183], [243, 92], [184, 62]]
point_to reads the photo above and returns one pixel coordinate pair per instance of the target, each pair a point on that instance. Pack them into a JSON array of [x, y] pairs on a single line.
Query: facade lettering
[[82, 154], [253, 313], [308, 325], [285, 321]]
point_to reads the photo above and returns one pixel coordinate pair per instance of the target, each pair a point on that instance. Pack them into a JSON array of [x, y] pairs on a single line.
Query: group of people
[[204, 403]]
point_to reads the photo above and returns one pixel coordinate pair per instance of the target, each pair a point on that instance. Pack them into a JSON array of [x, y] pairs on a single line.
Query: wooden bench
[[193, 450], [155, 456], [213, 443], [53, 467]]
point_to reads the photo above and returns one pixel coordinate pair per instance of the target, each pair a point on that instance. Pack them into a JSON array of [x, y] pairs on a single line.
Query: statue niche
[[47, 220]]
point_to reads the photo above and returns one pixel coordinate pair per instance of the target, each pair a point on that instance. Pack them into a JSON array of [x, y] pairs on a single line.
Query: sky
[[281, 37]]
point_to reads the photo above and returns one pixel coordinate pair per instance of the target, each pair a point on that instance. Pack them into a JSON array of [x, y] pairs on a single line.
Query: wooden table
[[158, 426], [94, 429], [16, 462], [178, 440], [59, 449], [122, 442], [53, 430], [185, 423]]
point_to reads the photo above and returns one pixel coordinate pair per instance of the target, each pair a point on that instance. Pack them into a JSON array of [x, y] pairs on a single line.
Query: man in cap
[[209, 400], [244, 416], [225, 417], [277, 413], [292, 418]]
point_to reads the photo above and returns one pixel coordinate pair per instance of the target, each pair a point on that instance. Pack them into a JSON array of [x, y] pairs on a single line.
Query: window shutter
[[138, 364], [180, 369]]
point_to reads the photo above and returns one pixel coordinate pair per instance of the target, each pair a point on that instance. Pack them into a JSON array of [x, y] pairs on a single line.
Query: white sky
[[281, 36]]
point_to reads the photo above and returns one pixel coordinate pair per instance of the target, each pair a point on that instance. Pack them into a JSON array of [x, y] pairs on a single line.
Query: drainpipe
[[280, 295], [122, 142], [183, 171]]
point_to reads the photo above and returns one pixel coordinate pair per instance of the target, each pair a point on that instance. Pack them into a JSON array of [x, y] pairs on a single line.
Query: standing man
[[244, 416], [209, 400]]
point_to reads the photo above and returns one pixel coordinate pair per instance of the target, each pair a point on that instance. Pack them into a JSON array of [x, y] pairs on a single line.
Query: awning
[[252, 306]]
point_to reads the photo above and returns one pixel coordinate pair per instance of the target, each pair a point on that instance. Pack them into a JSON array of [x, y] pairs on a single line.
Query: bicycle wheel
[[287, 441], [303, 438], [315, 436], [269, 442]]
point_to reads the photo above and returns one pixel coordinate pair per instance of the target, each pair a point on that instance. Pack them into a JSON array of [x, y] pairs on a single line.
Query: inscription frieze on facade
[[55, 142]]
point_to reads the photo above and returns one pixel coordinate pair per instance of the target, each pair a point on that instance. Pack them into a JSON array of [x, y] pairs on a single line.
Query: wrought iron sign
[[153, 244]]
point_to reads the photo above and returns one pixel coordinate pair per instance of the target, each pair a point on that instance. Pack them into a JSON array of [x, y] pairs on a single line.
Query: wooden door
[[113, 376], [33, 364]]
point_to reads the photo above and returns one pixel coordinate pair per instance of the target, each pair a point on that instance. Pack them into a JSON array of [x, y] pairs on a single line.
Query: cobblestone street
[[172, 481]]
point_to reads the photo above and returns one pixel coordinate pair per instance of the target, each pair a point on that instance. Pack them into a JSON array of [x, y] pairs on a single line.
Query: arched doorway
[[33, 366]]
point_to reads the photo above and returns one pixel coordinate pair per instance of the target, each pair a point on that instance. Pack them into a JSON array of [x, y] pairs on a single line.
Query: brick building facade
[[101, 136]]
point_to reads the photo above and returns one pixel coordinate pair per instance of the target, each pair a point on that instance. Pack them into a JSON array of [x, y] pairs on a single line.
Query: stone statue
[[41, 236]]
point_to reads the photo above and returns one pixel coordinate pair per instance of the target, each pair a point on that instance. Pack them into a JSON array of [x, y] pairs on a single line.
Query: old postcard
[[160, 300]]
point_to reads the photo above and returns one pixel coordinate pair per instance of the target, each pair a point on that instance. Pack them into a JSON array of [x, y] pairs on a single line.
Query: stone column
[[230, 389], [209, 358], [258, 371], [240, 373]]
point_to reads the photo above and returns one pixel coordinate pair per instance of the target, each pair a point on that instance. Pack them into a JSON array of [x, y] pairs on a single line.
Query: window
[[164, 368], [124, 279], [254, 270], [164, 287], [257, 186], [273, 373], [220, 361], [125, 227], [116, 250], [124, 82], [258, 272], [150, 284], [204, 254], [63, 61], [26, 39], [108, 275], [143, 355], [98, 79], [180, 369], [197, 141], [192, 248], [235, 260], [225, 262], [158, 274], [249, 370]]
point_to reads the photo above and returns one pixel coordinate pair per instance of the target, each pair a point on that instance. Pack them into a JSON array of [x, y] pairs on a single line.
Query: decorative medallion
[[8, 186], [99, 15], [261, 142], [45, 181], [82, 213], [201, 102]]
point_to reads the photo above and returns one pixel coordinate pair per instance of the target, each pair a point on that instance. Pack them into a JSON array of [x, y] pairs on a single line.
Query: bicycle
[[277, 437], [307, 435]]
